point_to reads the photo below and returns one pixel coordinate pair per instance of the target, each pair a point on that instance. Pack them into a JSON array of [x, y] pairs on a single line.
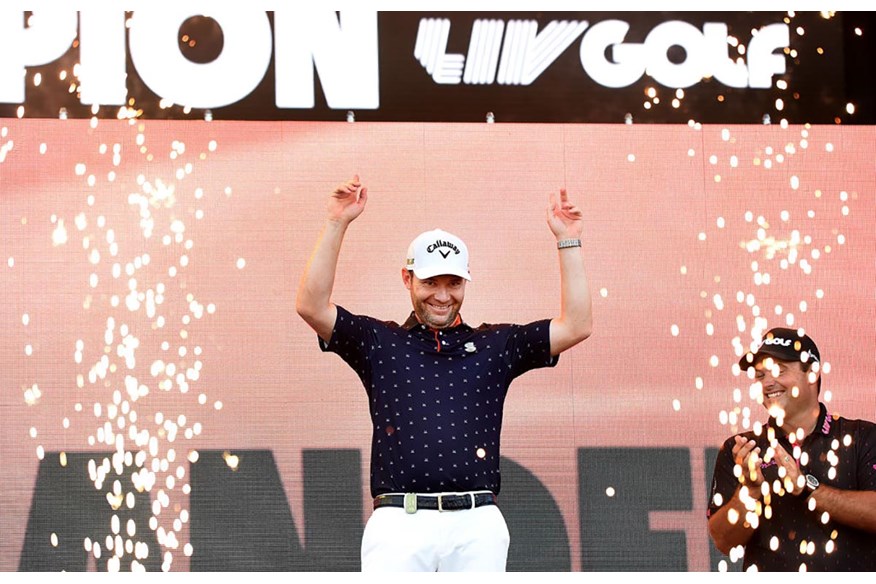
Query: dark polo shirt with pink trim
[[840, 453], [436, 397]]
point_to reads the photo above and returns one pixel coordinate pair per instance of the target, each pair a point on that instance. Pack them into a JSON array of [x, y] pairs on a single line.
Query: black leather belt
[[411, 502]]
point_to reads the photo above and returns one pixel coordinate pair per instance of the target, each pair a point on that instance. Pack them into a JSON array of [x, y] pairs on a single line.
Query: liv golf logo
[[516, 53]]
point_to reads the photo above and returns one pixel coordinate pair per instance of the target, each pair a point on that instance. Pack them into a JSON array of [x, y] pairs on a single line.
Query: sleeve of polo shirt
[[724, 482], [352, 339], [866, 438], [529, 347]]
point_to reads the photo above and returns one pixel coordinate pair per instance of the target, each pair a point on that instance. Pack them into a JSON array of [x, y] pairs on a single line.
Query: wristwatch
[[811, 483]]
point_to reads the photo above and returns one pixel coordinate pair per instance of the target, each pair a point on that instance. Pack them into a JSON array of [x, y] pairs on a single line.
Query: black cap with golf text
[[783, 344]]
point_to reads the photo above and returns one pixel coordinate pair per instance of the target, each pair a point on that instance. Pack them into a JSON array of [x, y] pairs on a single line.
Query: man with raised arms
[[436, 389]]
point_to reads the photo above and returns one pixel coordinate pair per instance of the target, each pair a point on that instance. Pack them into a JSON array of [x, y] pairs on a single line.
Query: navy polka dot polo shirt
[[436, 397]]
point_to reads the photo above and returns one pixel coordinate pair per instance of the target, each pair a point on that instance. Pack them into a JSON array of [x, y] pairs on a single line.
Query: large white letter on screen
[[239, 68], [344, 54], [729, 72], [676, 33], [762, 61], [102, 54], [628, 64], [48, 36]]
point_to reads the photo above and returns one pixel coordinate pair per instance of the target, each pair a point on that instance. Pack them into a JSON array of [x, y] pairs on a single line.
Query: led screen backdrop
[[163, 406]]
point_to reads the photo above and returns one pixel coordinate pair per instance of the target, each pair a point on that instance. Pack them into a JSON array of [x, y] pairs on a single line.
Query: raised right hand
[[347, 201]]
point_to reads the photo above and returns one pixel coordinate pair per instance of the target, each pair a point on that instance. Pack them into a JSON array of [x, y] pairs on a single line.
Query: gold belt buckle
[[410, 502]]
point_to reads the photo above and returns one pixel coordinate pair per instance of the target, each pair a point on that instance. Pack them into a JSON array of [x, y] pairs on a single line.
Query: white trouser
[[435, 541]]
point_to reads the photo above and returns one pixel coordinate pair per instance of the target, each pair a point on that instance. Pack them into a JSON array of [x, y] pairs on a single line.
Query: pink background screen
[[152, 267]]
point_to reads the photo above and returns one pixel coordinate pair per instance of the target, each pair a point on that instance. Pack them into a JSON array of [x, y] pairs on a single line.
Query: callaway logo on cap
[[438, 253], [783, 344]]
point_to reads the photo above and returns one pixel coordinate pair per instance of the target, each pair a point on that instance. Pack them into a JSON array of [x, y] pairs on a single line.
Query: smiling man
[[435, 273], [800, 492], [436, 389]]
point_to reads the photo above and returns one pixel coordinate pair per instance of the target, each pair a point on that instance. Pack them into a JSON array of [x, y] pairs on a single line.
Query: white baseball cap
[[438, 253]]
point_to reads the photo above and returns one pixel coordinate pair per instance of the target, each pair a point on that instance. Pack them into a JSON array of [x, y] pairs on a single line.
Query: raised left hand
[[564, 218]]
